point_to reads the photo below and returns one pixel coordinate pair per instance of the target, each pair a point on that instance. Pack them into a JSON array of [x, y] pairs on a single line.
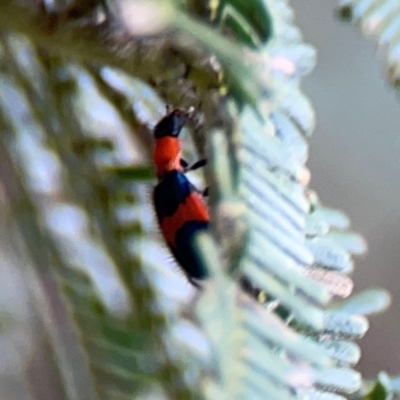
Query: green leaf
[[367, 302], [250, 20], [378, 392]]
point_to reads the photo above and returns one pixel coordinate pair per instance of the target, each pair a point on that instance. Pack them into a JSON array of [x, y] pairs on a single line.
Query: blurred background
[[354, 160]]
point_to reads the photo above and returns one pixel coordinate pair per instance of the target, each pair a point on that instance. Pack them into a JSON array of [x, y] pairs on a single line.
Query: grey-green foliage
[[289, 232], [381, 20], [112, 320], [68, 216]]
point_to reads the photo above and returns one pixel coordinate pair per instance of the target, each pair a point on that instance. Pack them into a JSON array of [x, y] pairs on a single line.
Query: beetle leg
[[198, 164]]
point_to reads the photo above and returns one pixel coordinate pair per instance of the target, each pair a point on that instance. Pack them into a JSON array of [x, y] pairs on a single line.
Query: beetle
[[180, 207]]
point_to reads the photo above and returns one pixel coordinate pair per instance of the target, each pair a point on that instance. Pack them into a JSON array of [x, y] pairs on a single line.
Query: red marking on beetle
[[167, 155], [192, 209]]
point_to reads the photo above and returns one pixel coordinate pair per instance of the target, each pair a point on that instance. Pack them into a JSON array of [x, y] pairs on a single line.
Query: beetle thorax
[[167, 155]]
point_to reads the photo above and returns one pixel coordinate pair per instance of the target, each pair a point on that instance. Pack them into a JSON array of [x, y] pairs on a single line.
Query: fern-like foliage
[[81, 86], [290, 235], [380, 20]]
